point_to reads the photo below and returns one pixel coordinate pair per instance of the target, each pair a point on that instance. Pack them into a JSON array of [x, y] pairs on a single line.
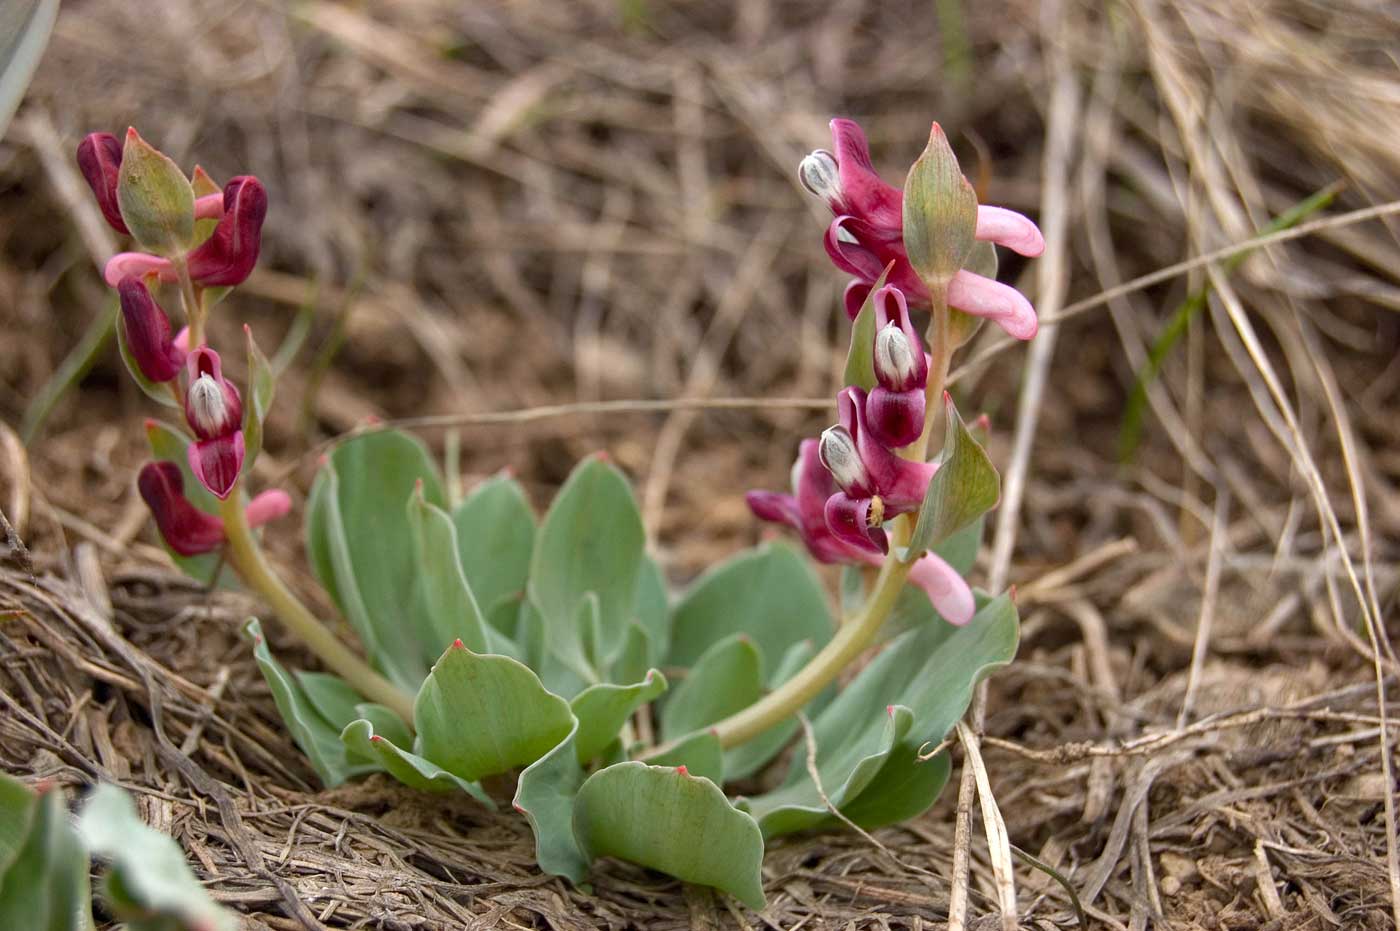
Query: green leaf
[[447, 606], [591, 540], [317, 737], [748, 758], [46, 886], [18, 806], [156, 391], [602, 709], [545, 796], [964, 488], [940, 213], [699, 752], [257, 400], [860, 358], [673, 822], [960, 549], [479, 715], [653, 609], [495, 537], [25, 27], [769, 592], [412, 770], [334, 699], [155, 197], [386, 723], [170, 444], [150, 885], [912, 693], [726, 679], [361, 544], [638, 654]]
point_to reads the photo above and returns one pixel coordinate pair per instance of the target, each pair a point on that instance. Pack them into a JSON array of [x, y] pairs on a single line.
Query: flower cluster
[[197, 236], [852, 481]]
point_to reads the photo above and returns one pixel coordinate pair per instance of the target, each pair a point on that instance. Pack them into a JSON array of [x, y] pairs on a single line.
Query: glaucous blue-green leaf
[[361, 545], [257, 399], [25, 26], [478, 715], [169, 443], [18, 805], [726, 679], [446, 603], [904, 787], [960, 549], [671, 821], [602, 709], [912, 693], [339, 704], [638, 654], [149, 885], [748, 758], [545, 796], [495, 537], [699, 752], [386, 723], [591, 540], [860, 358], [965, 487], [45, 886], [317, 737], [412, 770], [653, 609], [770, 593], [558, 676]]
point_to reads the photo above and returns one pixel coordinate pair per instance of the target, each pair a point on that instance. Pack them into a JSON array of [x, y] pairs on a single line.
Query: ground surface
[[483, 208]]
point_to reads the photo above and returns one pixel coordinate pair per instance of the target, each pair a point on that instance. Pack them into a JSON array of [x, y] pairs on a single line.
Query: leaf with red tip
[[726, 679], [478, 715], [673, 822], [495, 537], [156, 200], [602, 709], [940, 212], [545, 796], [699, 753], [446, 607], [409, 768]]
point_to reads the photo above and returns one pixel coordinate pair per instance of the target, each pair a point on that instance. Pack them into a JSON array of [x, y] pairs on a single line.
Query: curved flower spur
[[489, 641]]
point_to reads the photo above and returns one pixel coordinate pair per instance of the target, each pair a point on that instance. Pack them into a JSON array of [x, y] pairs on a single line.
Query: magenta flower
[[868, 234], [100, 161], [185, 528], [804, 511], [895, 407], [227, 257], [157, 355], [214, 411]]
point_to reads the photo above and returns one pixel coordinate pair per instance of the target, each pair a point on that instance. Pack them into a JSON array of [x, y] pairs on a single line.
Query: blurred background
[[489, 207]]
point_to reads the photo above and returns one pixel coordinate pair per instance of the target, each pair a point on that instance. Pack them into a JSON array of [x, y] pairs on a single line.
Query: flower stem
[[193, 303], [941, 348], [248, 559]]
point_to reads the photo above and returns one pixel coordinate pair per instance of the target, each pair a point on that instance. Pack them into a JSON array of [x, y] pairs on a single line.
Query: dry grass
[[563, 208]]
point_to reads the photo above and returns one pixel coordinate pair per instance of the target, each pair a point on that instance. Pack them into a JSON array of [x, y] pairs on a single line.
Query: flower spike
[[148, 332]]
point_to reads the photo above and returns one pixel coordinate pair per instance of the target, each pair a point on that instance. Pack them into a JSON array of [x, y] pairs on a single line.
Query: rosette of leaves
[[537, 647], [44, 866]]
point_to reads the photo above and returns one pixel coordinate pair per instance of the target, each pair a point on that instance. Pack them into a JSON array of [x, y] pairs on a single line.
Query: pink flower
[[227, 257], [185, 528], [100, 161], [895, 407], [148, 332], [214, 411], [868, 234]]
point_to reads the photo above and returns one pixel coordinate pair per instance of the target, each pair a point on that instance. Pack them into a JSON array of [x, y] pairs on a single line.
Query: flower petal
[[863, 192], [849, 519], [983, 297], [100, 161], [268, 506], [216, 463], [148, 332], [227, 257], [138, 265], [1010, 229], [186, 529], [948, 591]]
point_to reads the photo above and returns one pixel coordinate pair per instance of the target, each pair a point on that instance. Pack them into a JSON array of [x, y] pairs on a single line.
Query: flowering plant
[[494, 643]]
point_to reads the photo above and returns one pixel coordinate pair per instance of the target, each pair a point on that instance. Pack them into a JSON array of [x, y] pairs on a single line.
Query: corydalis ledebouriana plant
[[497, 643]]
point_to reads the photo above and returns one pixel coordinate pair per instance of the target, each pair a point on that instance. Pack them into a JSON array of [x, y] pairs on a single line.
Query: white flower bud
[[207, 406], [894, 358], [842, 460], [819, 175]]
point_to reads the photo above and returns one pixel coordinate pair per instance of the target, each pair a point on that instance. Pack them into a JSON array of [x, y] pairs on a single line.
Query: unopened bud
[[895, 365], [842, 459], [207, 406], [819, 175], [100, 161]]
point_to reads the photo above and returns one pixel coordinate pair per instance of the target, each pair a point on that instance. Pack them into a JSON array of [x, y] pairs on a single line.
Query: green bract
[[533, 648]]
